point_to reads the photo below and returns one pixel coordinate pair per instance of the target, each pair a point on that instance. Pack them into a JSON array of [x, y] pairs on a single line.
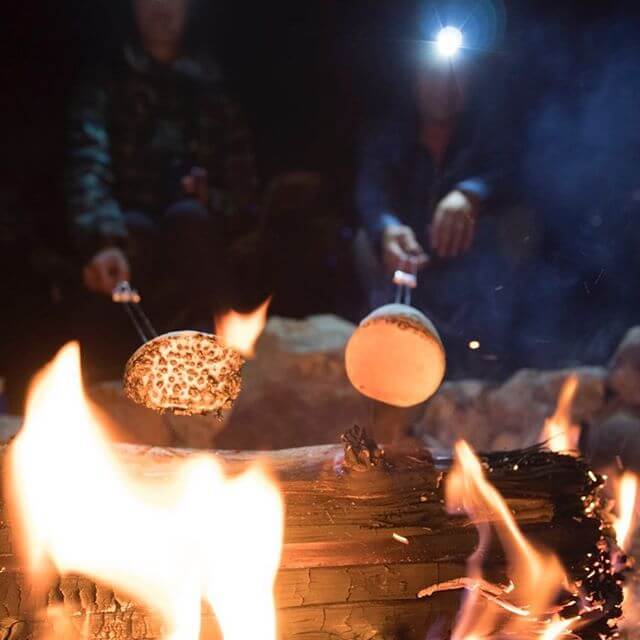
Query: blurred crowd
[[502, 169]]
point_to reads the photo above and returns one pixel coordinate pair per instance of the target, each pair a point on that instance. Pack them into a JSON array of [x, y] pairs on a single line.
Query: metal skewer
[[405, 281], [129, 298]]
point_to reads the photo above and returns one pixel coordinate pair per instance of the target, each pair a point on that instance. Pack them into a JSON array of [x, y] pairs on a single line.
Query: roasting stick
[[405, 281], [129, 298]]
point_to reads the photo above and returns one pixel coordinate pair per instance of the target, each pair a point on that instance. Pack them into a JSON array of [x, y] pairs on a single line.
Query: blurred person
[[160, 175], [430, 182]]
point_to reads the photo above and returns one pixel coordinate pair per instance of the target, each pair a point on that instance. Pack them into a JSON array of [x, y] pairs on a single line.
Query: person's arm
[[478, 188], [489, 167], [95, 216], [96, 221], [488, 178], [484, 179], [395, 240]]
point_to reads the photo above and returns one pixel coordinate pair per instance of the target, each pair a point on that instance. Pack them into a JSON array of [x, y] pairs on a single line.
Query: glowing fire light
[[557, 628], [559, 433], [169, 541], [626, 505], [537, 577], [625, 524], [240, 331]]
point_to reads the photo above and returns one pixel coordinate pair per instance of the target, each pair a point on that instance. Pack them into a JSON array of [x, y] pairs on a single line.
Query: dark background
[[304, 72], [307, 75]]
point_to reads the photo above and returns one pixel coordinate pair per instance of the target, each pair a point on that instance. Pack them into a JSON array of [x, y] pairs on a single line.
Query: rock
[[294, 393], [507, 441], [325, 335], [392, 424], [624, 375], [139, 425], [529, 397], [511, 415], [614, 441], [459, 410]]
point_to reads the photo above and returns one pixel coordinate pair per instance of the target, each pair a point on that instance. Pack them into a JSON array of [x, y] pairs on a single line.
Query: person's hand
[[105, 270], [454, 225], [195, 184], [400, 249]]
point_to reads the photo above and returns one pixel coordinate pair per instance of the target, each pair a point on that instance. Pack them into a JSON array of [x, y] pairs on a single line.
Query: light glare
[[448, 41]]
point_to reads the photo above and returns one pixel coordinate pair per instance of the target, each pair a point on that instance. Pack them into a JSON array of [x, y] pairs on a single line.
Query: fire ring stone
[[184, 373]]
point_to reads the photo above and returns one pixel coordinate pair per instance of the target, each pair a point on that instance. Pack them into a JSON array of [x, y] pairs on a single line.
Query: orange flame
[[536, 577], [559, 433], [625, 523], [626, 498], [558, 627], [241, 331], [61, 625], [169, 541]]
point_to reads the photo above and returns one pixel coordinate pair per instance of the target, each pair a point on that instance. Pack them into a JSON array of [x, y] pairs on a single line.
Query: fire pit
[[377, 542]]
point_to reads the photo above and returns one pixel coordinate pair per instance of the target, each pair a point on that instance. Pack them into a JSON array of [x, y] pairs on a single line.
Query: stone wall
[[296, 393]]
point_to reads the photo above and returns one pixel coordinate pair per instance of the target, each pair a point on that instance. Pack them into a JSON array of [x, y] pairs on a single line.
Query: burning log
[[366, 531]]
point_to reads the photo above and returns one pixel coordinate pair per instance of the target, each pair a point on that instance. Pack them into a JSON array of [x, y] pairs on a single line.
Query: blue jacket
[[398, 181]]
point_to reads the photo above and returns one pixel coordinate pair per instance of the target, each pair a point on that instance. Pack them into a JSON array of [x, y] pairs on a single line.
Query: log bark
[[344, 574]]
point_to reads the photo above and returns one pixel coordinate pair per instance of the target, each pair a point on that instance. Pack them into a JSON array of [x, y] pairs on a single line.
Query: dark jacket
[[136, 131], [398, 181]]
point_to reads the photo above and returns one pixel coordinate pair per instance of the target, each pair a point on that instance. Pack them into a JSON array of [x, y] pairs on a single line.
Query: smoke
[[581, 138], [580, 160]]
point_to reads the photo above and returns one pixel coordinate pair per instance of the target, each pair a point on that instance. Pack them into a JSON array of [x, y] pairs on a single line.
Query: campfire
[[559, 433], [168, 535], [332, 541], [240, 331]]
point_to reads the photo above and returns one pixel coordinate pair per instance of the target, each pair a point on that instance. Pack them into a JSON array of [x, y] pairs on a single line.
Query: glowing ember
[[626, 507], [537, 577], [240, 331], [168, 541], [559, 433]]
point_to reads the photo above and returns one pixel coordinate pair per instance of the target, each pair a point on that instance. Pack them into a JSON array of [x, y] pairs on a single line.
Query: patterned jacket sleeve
[[94, 215]]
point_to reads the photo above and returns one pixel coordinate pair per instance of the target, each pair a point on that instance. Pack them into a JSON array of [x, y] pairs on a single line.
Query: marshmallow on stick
[[184, 373], [396, 356]]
